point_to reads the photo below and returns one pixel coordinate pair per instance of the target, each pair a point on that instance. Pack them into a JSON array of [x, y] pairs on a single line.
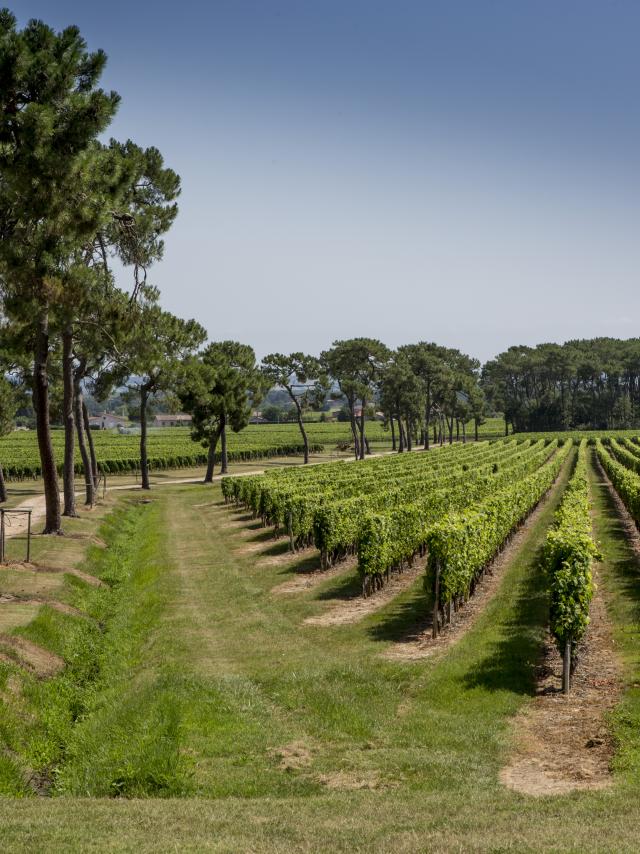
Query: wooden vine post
[[436, 601], [566, 667], [290, 531]]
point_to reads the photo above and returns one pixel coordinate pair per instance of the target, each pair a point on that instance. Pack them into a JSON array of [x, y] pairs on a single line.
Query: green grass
[[201, 677], [621, 578]]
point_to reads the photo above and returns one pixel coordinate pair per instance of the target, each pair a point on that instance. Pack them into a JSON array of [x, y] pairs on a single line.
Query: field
[[193, 681], [173, 448]]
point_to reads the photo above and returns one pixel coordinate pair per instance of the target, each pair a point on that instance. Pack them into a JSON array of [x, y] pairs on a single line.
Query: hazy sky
[[465, 172]]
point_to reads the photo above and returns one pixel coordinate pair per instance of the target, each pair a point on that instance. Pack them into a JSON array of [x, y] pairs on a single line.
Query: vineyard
[[388, 510], [172, 447], [207, 630], [457, 507]]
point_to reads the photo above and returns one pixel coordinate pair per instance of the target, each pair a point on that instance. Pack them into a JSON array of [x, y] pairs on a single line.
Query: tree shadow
[[346, 587], [306, 566], [277, 548], [407, 618], [264, 535], [625, 567], [511, 664]]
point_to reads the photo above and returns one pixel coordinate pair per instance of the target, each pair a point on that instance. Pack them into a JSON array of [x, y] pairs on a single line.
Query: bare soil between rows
[[21, 566], [62, 607], [356, 608], [307, 579], [40, 661], [563, 743]]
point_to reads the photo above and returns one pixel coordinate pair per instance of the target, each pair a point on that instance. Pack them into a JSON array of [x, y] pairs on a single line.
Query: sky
[[459, 171]]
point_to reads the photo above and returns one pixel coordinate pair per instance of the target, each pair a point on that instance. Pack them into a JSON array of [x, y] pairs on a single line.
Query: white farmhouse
[[177, 419]]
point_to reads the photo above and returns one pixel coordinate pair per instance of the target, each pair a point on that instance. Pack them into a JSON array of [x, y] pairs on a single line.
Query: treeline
[[586, 384], [71, 205]]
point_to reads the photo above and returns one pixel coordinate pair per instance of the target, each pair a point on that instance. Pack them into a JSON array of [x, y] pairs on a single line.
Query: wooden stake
[[436, 596], [566, 667], [290, 529]]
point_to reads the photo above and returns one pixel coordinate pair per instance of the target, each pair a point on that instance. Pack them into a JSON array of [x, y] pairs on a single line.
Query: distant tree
[[428, 364], [149, 357], [401, 399], [477, 407], [218, 388], [304, 380], [273, 413], [356, 364]]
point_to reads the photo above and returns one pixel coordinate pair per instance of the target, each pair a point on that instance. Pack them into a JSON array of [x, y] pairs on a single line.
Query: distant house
[[177, 419], [357, 412], [107, 420]]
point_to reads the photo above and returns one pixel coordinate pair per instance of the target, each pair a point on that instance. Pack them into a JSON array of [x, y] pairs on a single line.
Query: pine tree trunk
[[53, 522], [354, 430], [211, 457], [393, 434], [464, 433], [402, 440], [305, 438], [68, 472], [89, 485], [144, 464], [363, 446], [427, 413], [409, 444], [475, 428], [90, 445], [3, 488], [223, 437]]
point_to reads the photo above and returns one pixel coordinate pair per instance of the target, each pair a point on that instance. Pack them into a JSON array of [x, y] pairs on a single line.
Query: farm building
[[107, 420], [177, 419]]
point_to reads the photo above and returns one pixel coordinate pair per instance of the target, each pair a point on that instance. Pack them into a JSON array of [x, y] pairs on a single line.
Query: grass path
[[289, 737]]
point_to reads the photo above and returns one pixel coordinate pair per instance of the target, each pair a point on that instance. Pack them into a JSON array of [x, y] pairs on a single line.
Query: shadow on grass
[[406, 619], [305, 566], [278, 547], [264, 535], [347, 587], [511, 663], [622, 558]]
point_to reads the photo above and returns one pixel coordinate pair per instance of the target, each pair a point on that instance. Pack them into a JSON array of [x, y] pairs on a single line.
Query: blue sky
[[465, 172]]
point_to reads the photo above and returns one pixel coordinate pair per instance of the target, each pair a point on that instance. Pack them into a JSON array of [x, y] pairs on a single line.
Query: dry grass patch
[[35, 658]]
